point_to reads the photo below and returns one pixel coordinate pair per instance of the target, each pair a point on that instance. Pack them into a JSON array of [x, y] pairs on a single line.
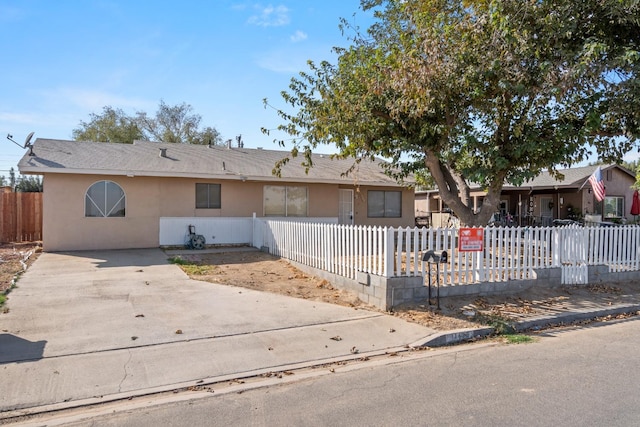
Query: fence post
[[556, 247], [388, 251]]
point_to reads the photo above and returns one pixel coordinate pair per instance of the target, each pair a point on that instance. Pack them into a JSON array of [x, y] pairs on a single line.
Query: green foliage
[[500, 325], [179, 261], [113, 125], [29, 184], [190, 267], [177, 124], [517, 339], [12, 178], [423, 179], [488, 91], [11, 181]]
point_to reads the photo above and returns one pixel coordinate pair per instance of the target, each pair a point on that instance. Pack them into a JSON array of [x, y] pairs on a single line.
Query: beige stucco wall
[[148, 198], [408, 206], [65, 227]]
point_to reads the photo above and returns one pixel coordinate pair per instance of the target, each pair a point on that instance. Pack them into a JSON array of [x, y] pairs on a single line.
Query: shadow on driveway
[[120, 257], [16, 349]]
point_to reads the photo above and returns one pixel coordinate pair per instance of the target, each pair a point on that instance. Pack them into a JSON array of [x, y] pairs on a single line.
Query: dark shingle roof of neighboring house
[[195, 161], [573, 178]]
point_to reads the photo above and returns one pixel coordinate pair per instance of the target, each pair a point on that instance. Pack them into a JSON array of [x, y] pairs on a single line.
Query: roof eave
[[226, 176]]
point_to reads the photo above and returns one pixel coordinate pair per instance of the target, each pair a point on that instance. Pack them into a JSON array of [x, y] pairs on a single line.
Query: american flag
[[596, 183]]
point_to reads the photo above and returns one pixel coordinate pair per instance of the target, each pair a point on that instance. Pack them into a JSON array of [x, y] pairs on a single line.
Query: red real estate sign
[[471, 239]]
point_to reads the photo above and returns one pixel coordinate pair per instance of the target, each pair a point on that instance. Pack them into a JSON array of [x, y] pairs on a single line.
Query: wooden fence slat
[[20, 217]]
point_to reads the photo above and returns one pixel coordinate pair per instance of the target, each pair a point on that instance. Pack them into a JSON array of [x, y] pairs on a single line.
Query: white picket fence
[[510, 253]]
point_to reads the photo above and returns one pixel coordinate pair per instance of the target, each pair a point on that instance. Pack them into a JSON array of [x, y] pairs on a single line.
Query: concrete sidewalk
[[96, 326]]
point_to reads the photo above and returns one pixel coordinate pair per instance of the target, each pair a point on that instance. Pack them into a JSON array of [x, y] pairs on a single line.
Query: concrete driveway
[[94, 326]]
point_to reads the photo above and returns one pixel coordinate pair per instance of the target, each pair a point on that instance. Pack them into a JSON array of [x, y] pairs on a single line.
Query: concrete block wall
[[386, 293]]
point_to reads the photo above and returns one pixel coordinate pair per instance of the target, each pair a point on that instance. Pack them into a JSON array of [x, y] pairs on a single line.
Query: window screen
[[104, 199], [208, 196], [384, 204]]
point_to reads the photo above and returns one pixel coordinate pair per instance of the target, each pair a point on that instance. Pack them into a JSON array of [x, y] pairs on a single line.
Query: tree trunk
[[454, 191]]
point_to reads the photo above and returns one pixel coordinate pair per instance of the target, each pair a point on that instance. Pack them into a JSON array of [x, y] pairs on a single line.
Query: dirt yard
[[13, 258], [263, 272]]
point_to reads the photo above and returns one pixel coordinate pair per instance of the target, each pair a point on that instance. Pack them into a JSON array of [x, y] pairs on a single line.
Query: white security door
[[546, 207], [345, 202], [546, 210]]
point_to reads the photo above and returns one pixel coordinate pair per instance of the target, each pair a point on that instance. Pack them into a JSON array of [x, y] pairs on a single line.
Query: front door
[[345, 201], [546, 210]]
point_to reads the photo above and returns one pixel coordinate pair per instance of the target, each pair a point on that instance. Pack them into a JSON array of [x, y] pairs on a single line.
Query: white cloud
[[270, 16], [298, 36]]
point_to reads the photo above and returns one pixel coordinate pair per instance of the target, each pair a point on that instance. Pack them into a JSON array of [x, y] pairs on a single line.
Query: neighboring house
[[113, 196], [544, 199]]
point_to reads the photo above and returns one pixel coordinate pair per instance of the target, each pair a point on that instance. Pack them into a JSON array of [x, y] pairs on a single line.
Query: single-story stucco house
[[113, 196], [544, 198]]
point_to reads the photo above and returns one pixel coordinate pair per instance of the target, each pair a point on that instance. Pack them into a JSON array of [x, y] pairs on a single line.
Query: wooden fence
[[20, 217]]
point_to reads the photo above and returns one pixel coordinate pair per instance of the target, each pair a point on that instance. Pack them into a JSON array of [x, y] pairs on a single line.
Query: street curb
[[464, 335], [453, 337], [574, 316]]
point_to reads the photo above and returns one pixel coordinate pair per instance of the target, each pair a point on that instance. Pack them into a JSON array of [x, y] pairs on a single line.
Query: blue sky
[[63, 60]]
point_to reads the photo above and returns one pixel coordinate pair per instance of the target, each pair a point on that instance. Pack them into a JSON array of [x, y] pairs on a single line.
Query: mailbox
[[435, 256]]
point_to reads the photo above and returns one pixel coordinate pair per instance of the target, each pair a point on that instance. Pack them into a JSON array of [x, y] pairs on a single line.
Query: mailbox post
[[437, 257]]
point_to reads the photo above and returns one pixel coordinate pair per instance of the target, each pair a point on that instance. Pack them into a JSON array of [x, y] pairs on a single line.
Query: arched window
[[104, 199]]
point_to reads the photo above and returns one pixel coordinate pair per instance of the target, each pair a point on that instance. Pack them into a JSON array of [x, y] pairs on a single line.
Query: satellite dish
[[27, 141]]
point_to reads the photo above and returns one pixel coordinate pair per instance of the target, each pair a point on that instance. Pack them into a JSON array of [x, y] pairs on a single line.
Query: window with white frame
[[208, 196], [384, 204], [104, 199], [282, 200], [613, 207]]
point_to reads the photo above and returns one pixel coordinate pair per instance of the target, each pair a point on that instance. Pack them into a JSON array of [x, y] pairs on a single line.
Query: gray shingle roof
[[197, 161]]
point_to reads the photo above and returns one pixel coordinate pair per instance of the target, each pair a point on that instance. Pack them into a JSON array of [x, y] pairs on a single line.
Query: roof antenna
[[27, 143], [240, 143]]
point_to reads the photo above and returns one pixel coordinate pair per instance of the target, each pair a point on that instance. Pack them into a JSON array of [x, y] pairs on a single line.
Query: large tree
[[113, 125], [484, 91], [175, 123]]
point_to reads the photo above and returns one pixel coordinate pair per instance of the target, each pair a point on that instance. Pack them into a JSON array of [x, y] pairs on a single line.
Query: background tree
[[485, 91], [29, 184], [169, 124], [12, 178], [113, 125]]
